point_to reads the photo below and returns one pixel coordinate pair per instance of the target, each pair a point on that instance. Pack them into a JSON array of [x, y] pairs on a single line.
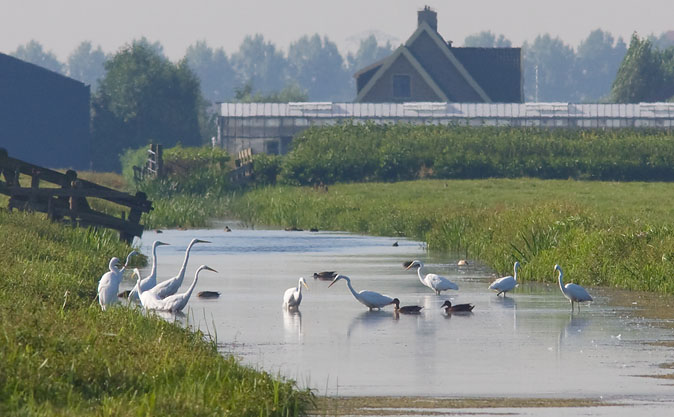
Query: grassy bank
[[61, 355], [602, 233]]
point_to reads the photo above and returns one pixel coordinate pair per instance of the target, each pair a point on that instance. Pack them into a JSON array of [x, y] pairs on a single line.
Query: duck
[[405, 309], [325, 275], [208, 294], [449, 308]]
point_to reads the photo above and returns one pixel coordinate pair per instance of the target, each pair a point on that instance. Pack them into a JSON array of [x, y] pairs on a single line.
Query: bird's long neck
[[188, 293], [515, 273], [561, 282], [153, 272], [181, 274], [420, 273], [348, 284], [299, 286], [138, 289]]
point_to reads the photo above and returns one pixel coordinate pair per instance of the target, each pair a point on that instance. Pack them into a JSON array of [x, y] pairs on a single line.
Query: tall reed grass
[[608, 234]]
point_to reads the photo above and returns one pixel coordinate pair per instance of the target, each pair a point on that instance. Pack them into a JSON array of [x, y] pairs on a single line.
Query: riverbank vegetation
[[603, 233], [62, 355]]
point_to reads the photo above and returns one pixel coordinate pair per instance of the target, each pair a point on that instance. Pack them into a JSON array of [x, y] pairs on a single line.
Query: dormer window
[[401, 86]]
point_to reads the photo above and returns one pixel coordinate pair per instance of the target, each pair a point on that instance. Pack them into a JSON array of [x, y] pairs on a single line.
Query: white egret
[[151, 280], [432, 281], [505, 284], [370, 299], [293, 296], [171, 286], [573, 292], [405, 309], [173, 303], [108, 285], [449, 308]]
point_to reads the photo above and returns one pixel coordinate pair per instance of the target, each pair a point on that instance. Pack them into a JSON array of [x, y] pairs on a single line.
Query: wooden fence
[[154, 165], [243, 173], [69, 197]]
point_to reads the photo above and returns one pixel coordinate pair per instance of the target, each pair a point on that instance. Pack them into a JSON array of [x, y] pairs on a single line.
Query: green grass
[[61, 355], [602, 233]]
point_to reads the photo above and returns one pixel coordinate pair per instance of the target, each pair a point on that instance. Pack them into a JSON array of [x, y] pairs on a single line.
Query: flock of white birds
[[164, 296]]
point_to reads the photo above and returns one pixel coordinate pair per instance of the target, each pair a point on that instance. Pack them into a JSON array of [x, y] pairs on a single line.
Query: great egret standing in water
[[370, 299], [574, 292], [293, 296], [173, 303], [171, 286], [505, 284], [432, 281], [151, 280]]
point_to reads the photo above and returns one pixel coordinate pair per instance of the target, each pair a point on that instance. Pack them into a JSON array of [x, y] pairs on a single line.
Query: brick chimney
[[429, 16]]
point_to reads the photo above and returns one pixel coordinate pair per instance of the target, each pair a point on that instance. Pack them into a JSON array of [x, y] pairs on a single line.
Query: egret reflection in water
[[292, 325]]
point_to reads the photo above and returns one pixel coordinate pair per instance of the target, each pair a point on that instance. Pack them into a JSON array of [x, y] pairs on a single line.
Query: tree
[[645, 74], [597, 60], [368, 53], [554, 62], [87, 64], [486, 39], [259, 63], [290, 93], [318, 67], [143, 98], [34, 53], [214, 70]]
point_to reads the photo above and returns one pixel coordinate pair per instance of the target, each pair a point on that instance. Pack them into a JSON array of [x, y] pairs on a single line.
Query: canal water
[[527, 344]]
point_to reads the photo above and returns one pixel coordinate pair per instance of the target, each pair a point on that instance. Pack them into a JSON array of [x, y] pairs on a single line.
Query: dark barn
[[44, 116]]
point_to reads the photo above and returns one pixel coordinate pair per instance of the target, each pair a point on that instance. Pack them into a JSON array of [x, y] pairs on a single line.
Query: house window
[[401, 86], [271, 147]]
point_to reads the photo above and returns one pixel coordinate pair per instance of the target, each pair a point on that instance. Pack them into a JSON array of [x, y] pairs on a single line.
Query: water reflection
[[337, 338], [292, 325], [370, 320]]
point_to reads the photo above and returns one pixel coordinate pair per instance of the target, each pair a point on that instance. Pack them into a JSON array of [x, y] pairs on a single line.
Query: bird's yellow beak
[[305, 285]]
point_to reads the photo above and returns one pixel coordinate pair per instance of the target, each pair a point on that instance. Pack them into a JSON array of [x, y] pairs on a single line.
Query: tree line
[[314, 69], [139, 96]]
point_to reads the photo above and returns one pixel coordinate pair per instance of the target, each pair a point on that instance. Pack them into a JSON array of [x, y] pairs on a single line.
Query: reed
[[61, 355], [604, 233]]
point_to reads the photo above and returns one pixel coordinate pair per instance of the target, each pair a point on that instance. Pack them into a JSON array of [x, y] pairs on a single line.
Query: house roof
[[479, 74], [404, 53], [497, 70], [17, 68]]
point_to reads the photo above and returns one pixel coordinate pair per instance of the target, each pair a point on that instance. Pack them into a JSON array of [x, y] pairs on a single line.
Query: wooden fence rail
[[243, 173], [70, 200]]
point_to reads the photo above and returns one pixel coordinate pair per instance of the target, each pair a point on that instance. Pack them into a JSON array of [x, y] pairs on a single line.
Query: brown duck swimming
[[208, 294], [405, 309], [449, 308], [325, 275]]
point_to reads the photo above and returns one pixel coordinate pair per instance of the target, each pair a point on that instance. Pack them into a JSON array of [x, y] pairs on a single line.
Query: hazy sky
[[60, 25]]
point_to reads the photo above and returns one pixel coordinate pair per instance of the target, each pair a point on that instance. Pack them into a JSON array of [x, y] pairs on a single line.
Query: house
[[429, 69], [44, 116]]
